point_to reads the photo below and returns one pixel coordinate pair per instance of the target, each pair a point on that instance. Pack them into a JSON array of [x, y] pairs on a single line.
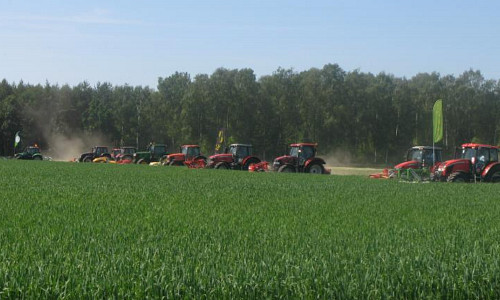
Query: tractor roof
[[240, 145], [474, 145], [304, 144], [426, 148], [190, 146], [127, 147]]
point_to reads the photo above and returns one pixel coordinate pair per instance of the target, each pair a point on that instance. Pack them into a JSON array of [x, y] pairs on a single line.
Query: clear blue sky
[[136, 42]]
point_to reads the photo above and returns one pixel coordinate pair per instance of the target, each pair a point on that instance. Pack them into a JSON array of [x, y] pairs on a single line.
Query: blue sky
[[135, 42]]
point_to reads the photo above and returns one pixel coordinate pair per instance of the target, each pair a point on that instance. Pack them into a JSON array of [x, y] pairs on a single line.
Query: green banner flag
[[17, 139], [437, 120]]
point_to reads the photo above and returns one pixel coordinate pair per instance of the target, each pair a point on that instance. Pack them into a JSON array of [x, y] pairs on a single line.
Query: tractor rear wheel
[[221, 166], [495, 177], [37, 158], [316, 169], [87, 159], [249, 162], [286, 169], [457, 177]]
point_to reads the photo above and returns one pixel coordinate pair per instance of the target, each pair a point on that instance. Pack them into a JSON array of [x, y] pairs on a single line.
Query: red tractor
[[237, 157], [423, 159], [472, 163], [301, 159], [186, 156]]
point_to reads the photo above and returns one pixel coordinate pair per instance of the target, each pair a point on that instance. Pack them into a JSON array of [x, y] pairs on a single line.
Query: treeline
[[373, 118]]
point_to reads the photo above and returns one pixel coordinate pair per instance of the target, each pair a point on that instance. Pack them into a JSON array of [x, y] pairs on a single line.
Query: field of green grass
[[74, 230]]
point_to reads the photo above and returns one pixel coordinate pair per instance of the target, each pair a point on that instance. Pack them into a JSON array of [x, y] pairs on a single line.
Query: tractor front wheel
[[221, 166], [286, 169], [316, 169], [457, 177]]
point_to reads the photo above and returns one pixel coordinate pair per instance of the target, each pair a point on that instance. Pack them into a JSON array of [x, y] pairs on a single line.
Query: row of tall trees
[[373, 118]]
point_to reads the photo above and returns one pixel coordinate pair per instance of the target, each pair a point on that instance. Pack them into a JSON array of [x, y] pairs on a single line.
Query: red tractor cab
[[187, 154], [473, 162], [237, 157], [301, 159], [125, 154]]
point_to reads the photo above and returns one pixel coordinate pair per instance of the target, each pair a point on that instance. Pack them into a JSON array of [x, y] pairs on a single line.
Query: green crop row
[[128, 231]]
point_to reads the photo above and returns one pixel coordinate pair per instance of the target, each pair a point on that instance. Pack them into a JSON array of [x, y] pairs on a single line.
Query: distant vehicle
[[154, 153], [123, 153], [186, 155], [473, 162], [421, 159], [237, 157], [30, 153], [301, 159], [96, 152]]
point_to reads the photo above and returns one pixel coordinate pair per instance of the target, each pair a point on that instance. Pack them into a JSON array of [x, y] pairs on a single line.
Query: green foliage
[[129, 231]]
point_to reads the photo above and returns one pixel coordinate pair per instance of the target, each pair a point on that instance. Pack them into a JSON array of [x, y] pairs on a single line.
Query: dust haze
[[63, 146], [67, 148]]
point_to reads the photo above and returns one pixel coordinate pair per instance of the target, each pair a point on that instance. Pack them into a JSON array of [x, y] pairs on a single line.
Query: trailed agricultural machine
[[237, 157], [301, 158], [154, 153], [421, 161], [189, 155], [472, 163], [30, 153], [98, 152]]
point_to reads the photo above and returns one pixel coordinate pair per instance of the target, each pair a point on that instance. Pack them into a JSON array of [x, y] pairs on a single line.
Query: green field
[[74, 230]]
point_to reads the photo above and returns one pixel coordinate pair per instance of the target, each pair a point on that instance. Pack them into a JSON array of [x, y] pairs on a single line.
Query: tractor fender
[[313, 161], [249, 159], [490, 169], [457, 166]]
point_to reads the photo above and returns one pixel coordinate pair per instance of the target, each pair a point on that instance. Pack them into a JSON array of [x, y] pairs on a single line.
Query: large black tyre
[[458, 177], [286, 169], [37, 157], [315, 169], [87, 159], [142, 162], [495, 177], [221, 166], [249, 162]]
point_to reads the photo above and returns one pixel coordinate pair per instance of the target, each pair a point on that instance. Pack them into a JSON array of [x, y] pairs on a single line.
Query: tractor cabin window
[[493, 154]]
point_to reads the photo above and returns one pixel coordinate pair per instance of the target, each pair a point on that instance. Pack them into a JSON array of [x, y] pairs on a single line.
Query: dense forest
[[354, 116]]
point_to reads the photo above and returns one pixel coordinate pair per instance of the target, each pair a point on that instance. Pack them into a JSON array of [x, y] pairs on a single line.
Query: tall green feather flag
[[437, 120], [17, 139]]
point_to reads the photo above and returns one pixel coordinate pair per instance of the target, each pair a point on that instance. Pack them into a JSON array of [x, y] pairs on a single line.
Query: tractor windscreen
[[240, 151], [191, 151], [128, 151], [428, 156], [159, 150], [294, 151], [468, 153], [414, 154]]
